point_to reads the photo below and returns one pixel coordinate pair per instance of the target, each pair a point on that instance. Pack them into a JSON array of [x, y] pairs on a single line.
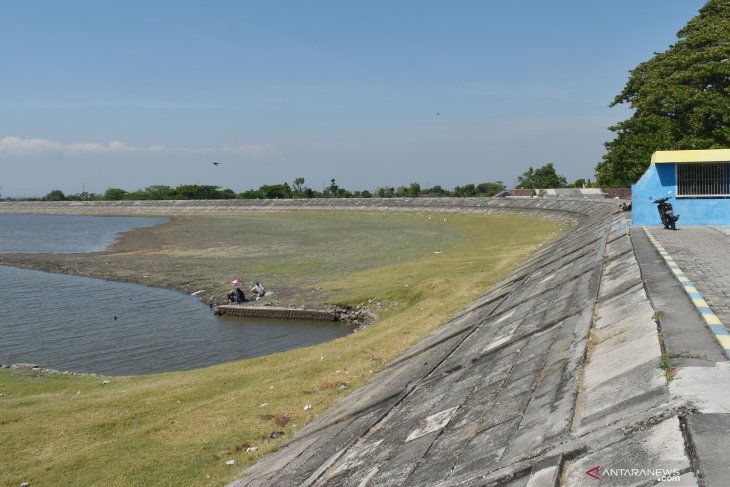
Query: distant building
[[520, 192], [698, 182]]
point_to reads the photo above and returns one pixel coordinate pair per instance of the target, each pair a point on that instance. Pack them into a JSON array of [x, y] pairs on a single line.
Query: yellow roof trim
[[684, 156]]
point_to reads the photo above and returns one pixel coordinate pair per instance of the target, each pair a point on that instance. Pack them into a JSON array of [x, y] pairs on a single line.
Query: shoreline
[[38, 370], [304, 293], [140, 241]]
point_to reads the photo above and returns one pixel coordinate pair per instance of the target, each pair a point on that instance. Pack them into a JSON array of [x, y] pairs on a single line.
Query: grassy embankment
[[180, 428]]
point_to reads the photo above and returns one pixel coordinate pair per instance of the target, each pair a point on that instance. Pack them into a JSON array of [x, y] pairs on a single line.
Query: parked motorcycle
[[666, 213]]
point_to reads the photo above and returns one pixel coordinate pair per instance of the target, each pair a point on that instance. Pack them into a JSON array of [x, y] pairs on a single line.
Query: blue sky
[[100, 94]]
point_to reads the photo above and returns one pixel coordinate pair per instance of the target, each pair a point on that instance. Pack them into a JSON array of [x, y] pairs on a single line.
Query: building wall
[[657, 182]]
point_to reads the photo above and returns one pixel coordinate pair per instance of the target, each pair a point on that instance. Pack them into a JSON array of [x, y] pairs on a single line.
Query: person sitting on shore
[[231, 297], [258, 290], [240, 297]]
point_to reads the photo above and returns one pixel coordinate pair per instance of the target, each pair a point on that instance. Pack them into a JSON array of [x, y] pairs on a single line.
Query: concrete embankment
[[485, 396], [553, 377], [563, 210], [355, 316]]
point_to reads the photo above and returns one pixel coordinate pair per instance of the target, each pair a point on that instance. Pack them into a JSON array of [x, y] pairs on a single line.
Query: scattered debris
[[252, 448], [231, 462], [307, 407], [276, 434], [25, 484], [263, 404], [106, 381]]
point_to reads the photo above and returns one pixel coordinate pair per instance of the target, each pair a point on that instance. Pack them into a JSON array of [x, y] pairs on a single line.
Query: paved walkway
[[695, 260], [703, 253], [687, 339]]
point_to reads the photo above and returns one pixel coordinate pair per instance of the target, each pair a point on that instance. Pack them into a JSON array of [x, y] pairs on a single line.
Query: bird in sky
[[216, 163]]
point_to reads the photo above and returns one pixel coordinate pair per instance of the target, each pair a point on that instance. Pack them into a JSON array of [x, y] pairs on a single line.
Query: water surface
[[114, 328], [64, 233]]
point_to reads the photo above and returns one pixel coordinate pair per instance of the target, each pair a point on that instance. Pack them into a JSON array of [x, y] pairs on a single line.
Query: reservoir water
[[112, 328], [64, 233]]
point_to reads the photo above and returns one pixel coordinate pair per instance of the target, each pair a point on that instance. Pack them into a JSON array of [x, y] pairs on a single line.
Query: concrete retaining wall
[[564, 210], [276, 312]]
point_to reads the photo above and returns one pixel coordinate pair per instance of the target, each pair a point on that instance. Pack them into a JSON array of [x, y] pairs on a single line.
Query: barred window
[[707, 179]]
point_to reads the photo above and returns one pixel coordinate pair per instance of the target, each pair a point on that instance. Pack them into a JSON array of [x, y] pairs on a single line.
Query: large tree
[[680, 98], [115, 194], [541, 178], [55, 195]]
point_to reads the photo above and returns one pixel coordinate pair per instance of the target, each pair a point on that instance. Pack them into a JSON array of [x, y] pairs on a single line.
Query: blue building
[[697, 180]]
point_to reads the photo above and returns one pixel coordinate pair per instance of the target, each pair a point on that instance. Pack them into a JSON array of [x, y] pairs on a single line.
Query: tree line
[[540, 178], [297, 189]]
